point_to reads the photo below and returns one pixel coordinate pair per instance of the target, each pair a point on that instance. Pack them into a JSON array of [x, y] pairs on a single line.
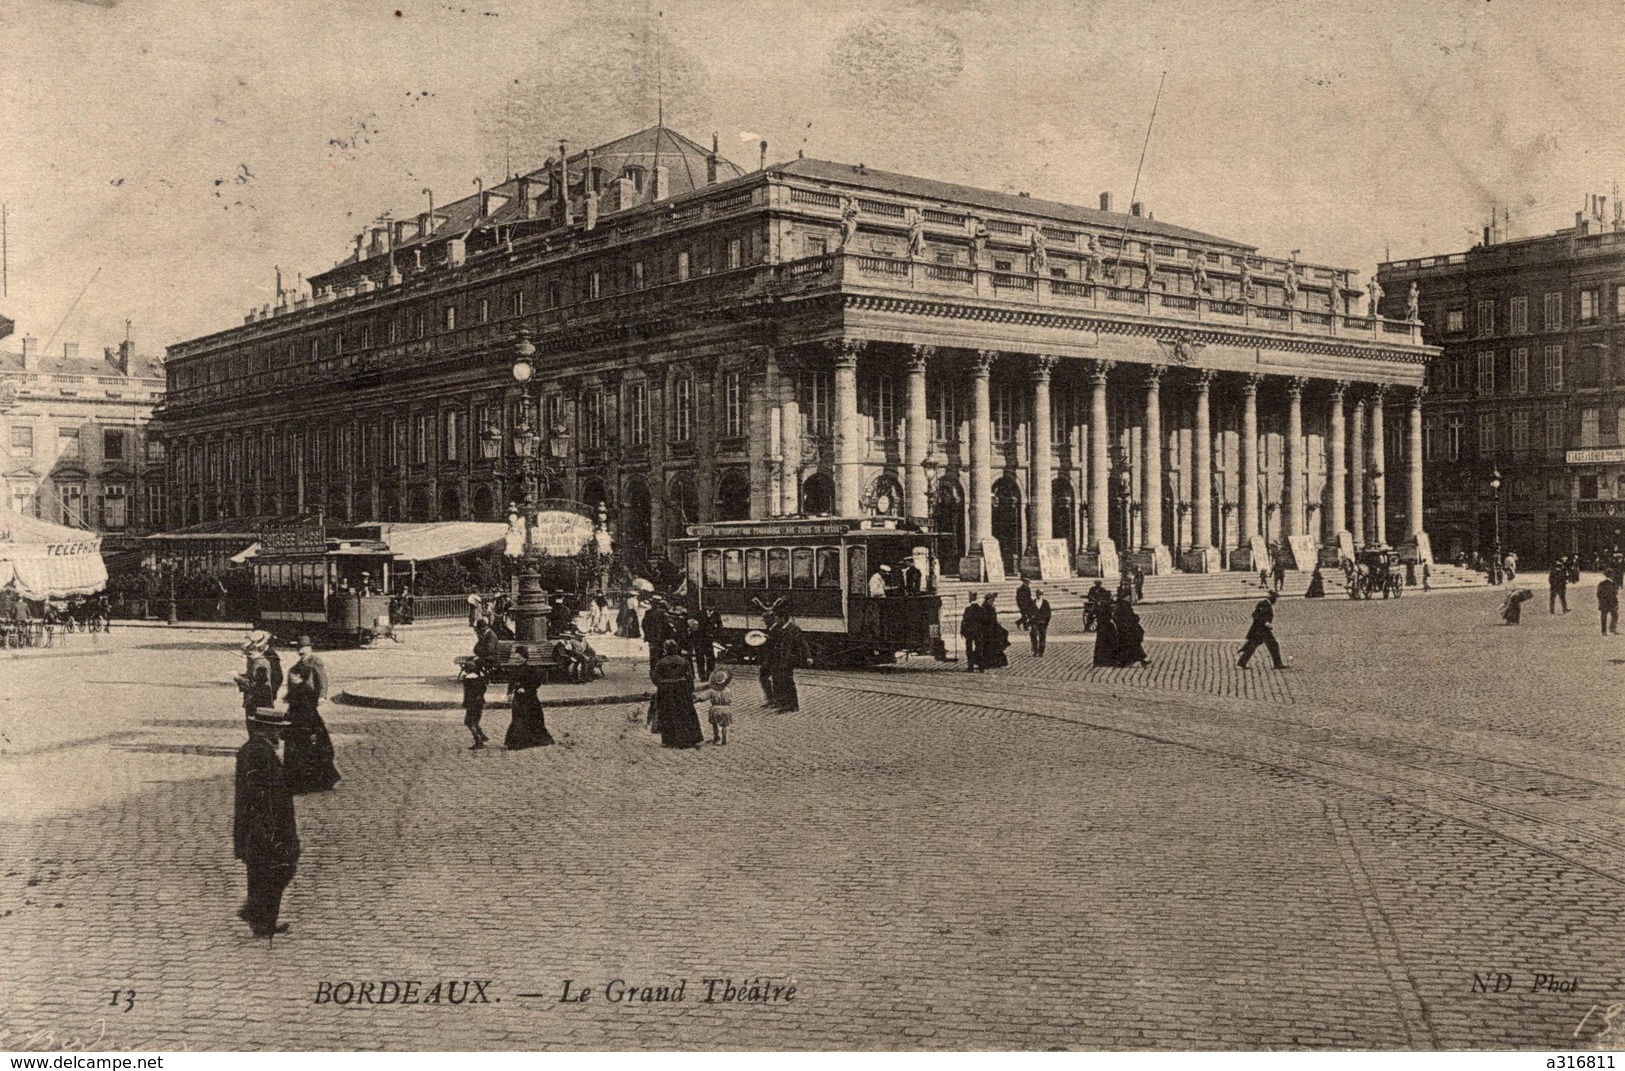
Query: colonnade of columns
[[1355, 481]]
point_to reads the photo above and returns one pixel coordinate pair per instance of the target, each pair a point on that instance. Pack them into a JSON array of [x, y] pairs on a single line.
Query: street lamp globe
[[523, 351], [1495, 480]]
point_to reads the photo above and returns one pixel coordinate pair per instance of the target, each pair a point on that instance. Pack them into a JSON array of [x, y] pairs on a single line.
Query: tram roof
[[801, 526]]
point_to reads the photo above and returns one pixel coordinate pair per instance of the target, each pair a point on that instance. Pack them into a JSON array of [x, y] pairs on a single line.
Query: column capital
[[1153, 374], [1249, 383], [1043, 365], [1415, 396], [845, 352], [918, 355], [1377, 390], [1295, 385], [982, 362], [1338, 387], [1101, 369], [1204, 379]]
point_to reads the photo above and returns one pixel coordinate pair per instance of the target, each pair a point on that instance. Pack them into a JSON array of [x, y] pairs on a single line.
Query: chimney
[[70, 351], [1137, 208], [1106, 202], [764, 155], [123, 359], [361, 246], [425, 224], [456, 253], [661, 187], [526, 209], [563, 187], [30, 351], [626, 193], [711, 161]]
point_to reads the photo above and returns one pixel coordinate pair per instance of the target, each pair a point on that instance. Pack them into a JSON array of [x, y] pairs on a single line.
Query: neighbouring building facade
[[74, 447], [1530, 386], [810, 338]]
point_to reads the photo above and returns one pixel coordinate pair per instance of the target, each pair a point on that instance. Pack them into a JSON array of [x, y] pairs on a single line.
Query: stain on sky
[[895, 63]]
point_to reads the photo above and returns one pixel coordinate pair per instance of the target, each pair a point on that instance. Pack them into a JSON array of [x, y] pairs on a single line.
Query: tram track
[[1471, 801]]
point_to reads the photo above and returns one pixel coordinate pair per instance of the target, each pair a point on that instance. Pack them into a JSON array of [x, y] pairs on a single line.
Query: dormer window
[[636, 174]]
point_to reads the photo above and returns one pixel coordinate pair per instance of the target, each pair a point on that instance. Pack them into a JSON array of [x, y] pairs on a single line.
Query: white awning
[[443, 539], [44, 560]]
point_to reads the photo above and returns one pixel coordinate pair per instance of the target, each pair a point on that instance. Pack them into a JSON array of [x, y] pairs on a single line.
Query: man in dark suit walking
[[788, 652], [265, 833], [1262, 634], [970, 630], [1038, 623]]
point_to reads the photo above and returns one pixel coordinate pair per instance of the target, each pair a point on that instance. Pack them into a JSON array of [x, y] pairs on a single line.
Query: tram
[[819, 569], [333, 595]]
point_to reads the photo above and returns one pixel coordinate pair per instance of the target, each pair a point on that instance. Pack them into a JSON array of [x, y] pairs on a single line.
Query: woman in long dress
[[1105, 639], [677, 720], [1317, 585], [1130, 635], [528, 726], [307, 749]]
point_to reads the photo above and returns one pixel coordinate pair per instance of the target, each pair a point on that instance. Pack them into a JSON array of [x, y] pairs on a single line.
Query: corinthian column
[[1151, 508], [1292, 497], [1379, 449], [1202, 471], [1099, 461], [1335, 436], [848, 433], [1249, 460], [916, 440], [981, 455], [1042, 526], [1357, 473], [1413, 511]]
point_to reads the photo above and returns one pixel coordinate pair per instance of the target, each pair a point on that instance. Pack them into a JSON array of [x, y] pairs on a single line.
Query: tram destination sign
[[1600, 456], [799, 528]]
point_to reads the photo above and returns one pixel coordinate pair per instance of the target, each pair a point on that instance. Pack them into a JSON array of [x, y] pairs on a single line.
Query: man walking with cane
[[1261, 633]]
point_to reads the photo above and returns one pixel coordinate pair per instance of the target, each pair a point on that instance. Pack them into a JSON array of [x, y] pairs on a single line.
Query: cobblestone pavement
[[1048, 856]]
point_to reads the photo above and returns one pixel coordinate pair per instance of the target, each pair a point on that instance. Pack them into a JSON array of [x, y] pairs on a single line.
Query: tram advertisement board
[[294, 539]]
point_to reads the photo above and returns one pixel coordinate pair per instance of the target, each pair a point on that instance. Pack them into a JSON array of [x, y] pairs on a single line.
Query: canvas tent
[[42, 560]]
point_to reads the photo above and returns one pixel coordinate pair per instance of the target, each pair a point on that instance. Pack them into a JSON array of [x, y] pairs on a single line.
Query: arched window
[[818, 495]]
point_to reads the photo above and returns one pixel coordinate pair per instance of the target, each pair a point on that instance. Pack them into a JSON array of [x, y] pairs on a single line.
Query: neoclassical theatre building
[[810, 338]]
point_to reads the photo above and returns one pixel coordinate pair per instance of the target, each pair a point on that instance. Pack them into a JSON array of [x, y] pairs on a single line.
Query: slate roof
[[58, 365]]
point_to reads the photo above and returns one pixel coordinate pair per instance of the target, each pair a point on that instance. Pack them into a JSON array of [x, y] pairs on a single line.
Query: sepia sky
[[162, 156]]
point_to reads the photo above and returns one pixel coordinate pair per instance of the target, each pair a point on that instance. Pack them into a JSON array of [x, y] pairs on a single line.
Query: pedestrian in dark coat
[[1024, 603], [1139, 583], [995, 637], [1558, 583], [1608, 605], [527, 725], [677, 720], [1261, 634], [307, 754], [765, 652], [1097, 604], [789, 653], [970, 630], [265, 833], [1038, 624], [1130, 635], [703, 640], [1106, 653]]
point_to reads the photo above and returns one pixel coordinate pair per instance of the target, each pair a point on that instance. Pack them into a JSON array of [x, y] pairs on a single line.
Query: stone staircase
[[1068, 593]]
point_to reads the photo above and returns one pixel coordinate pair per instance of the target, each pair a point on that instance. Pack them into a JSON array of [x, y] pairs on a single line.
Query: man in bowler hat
[[265, 833]]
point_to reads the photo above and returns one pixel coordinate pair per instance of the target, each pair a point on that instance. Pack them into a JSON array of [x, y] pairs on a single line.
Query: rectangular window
[[755, 568], [157, 504], [1553, 309], [1519, 314], [1486, 319], [592, 419], [1004, 413], [815, 246], [1518, 432], [366, 336], [637, 414], [1519, 371], [736, 253], [637, 275], [1619, 302], [1430, 436], [73, 504], [420, 444], [1457, 367], [943, 405], [1554, 368], [115, 514], [67, 442], [418, 325], [393, 332], [683, 410], [552, 412], [516, 303], [878, 402], [1486, 372], [22, 442], [733, 404], [1060, 417], [595, 282], [733, 568], [778, 568], [1590, 300], [1452, 437], [315, 349], [801, 567], [1486, 434], [711, 565], [682, 266], [448, 318], [454, 434], [1554, 429], [1455, 321], [26, 502], [829, 567], [813, 389], [485, 310], [1588, 427]]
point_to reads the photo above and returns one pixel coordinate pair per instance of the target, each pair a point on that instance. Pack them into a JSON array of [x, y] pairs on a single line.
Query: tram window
[[829, 567], [733, 568], [857, 570], [778, 568], [713, 568], [801, 567], [692, 564], [313, 576], [755, 568]]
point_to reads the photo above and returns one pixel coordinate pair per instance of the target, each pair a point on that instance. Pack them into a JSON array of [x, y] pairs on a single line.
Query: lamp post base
[[530, 613]]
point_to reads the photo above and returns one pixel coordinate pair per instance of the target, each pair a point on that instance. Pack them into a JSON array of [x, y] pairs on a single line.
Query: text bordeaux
[[405, 991]]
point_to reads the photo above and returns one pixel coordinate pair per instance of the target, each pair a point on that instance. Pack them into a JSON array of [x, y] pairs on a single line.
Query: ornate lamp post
[[531, 473], [1495, 490], [171, 567]]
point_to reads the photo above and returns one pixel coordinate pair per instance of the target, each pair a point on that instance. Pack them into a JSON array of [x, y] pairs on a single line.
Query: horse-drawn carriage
[[1375, 571]]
